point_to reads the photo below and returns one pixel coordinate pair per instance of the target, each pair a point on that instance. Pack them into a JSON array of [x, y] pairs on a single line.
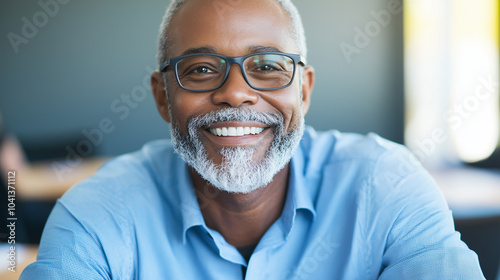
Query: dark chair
[[483, 236]]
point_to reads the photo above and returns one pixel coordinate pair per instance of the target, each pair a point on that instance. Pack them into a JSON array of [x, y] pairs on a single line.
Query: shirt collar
[[298, 197], [301, 191], [188, 204]]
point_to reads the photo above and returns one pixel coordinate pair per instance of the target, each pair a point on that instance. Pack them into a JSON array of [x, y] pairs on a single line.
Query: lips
[[235, 131]]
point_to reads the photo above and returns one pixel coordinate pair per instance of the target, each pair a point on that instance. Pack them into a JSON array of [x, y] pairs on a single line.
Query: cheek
[[287, 103], [185, 105]]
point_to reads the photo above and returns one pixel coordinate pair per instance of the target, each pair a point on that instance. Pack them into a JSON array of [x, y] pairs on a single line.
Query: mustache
[[235, 114]]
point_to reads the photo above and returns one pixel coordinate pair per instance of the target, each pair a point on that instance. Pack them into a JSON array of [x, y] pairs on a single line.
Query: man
[[250, 192]]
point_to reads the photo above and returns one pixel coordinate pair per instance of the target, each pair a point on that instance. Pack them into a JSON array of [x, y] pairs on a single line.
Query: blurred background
[[74, 91], [81, 64]]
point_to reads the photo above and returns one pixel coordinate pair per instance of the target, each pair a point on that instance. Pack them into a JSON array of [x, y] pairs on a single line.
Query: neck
[[242, 218]]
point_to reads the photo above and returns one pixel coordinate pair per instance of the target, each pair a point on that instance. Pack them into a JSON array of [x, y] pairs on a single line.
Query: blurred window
[[452, 79]]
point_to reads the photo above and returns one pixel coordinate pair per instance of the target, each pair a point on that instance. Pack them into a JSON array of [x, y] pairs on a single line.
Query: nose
[[235, 91]]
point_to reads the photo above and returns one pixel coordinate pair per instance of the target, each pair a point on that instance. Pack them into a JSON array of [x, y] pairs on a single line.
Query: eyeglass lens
[[263, 71]]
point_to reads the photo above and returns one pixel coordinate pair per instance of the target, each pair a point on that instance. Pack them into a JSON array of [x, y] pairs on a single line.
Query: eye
[[201, 70], [266, 67]]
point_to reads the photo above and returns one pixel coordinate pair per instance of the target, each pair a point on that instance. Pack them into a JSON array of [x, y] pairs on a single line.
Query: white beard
[[238, 172]]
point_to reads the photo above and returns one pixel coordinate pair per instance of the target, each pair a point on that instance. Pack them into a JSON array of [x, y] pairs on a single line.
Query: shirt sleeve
[[67, 251], [87, 236], [421, 240]]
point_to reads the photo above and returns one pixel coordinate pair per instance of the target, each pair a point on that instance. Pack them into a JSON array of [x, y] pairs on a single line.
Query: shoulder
[[123, 182], [101, 217], [366, 169], [126, 170], [330, 148], [139, 165]]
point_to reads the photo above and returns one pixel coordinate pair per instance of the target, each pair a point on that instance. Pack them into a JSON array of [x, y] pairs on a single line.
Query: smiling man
[[244, 190]]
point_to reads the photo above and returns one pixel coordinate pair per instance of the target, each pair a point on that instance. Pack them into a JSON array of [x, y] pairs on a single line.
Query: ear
[[160, 95], [307, 87]]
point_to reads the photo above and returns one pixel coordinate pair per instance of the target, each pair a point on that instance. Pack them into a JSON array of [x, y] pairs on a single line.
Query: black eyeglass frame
[[297, 60]]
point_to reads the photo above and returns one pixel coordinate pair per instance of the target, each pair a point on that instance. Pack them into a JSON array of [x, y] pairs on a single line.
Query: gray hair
[[288, 6]]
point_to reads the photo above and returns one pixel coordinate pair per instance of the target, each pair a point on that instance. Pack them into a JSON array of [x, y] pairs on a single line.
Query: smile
[[235, 131]]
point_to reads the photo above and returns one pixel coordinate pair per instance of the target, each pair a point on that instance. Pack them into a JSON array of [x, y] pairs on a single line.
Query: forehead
[[232, 27]]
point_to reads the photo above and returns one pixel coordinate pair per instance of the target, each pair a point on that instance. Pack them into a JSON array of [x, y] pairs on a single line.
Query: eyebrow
[[208, 49], [256, 49], [205, 49]]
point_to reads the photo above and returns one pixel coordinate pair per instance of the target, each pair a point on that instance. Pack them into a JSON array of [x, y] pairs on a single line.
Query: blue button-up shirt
[[357, 207]]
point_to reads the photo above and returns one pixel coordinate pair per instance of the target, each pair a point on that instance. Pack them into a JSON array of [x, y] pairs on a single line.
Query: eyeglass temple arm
[[163, 66], [302, 61]]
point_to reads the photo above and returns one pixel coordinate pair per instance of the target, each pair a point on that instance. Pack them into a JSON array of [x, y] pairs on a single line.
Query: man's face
[[234, 29]]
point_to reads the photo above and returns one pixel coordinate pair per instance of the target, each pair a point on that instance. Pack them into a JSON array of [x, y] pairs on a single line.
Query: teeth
[[240, 131], [236, 131]]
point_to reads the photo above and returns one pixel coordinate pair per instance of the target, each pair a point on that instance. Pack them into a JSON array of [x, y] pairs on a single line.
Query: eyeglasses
[[206, 71]]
